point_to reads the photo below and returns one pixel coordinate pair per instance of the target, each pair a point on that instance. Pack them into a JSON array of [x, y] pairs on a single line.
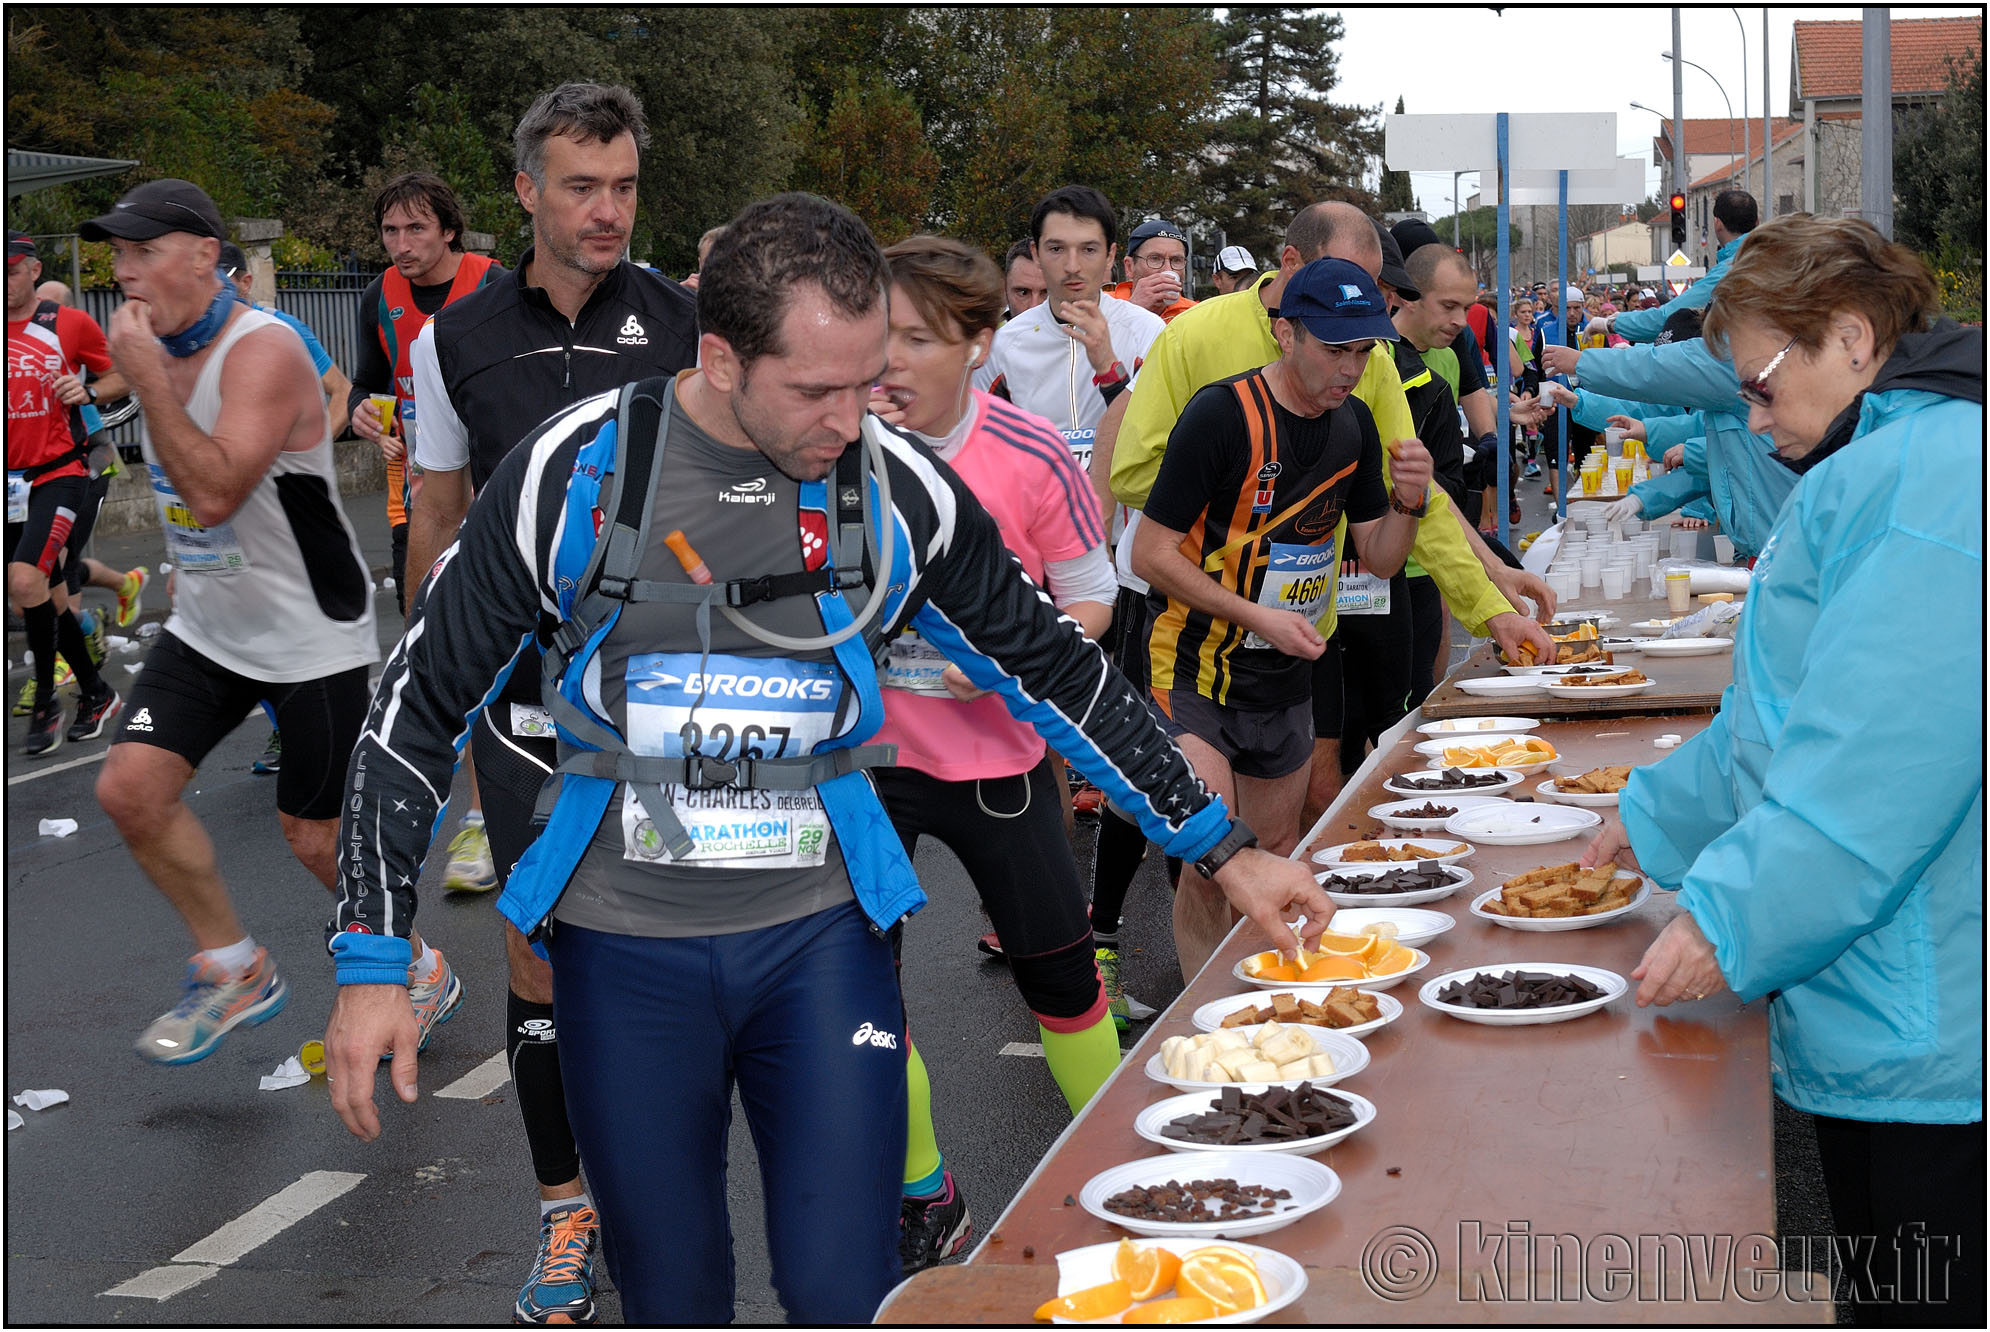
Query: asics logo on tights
[[869, 1035]]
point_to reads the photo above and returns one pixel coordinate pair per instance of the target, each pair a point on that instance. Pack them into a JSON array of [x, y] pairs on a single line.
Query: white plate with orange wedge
[[1081, 1271], [1311, 1185], [1388, 966]]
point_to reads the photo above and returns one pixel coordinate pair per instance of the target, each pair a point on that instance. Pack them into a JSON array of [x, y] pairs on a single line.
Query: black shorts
[[185, 704], [511, 771], [1265, 743], [55, 508]]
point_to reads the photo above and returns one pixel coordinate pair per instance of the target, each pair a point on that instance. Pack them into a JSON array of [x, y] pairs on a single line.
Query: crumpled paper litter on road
[[289, 1073], [57, 827], [41, 1100]]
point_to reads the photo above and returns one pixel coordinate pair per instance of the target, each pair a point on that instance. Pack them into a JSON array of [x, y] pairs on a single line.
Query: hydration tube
[[880, 560]]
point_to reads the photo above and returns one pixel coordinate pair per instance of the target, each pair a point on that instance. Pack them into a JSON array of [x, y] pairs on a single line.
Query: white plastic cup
[[1592, 570], [1684, 543], [1679, 591], [1613, 439], [1724, 549], [1616, 582]]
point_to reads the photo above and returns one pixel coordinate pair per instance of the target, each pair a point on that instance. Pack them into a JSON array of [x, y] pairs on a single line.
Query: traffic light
[[1678, 219]]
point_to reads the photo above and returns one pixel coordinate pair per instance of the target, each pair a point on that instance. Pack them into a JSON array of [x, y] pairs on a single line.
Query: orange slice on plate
[[1229, 1283], [1101, 1301], [1146, 1270], [1342, 943], [1335, 969]]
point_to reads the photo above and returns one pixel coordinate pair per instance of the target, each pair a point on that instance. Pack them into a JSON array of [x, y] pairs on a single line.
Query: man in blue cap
[[1238, 535]]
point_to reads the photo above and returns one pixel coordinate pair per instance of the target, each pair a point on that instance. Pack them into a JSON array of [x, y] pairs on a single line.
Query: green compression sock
[[1081, 1061], [923, 1169]]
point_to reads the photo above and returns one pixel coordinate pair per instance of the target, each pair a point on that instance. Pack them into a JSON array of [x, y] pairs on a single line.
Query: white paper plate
[[1333, 855], [1460, 878], [1685, 647], [1414, 928], [1349, 1055], [1612, 985], [1284, 1279], [1438, 765], [1438, 744], [1377, 984], [1509, 778], [1598, 691], [1311, 1184], [1479, 726], [1654, 626], [1386, 814], [1210, 1016], [1499, 686], [1523, 825], [1527, 672], [1546, 790], [1601, 619], [1149, 1123], [1561, 924]]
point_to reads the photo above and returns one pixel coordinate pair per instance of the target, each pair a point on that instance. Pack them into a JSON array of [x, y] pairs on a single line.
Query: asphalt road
[[257, 1207]]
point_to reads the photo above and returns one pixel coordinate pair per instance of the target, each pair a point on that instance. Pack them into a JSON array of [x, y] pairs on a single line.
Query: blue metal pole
[[1568, 331], [1502, 356]]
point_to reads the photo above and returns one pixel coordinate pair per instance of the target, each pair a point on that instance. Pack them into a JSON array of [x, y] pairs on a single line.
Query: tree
[[869, 152], [1938, 170], [1284, 143], [1397, 194], [209, 95], [1478, 232]]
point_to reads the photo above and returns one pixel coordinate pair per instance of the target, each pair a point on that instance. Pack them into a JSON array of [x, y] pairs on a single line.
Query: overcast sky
[[1592, 57]]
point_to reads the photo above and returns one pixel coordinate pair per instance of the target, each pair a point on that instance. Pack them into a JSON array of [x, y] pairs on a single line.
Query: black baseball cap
[[1150, 229], [20, 245], [155, 208], [1337, 302], [1412, 234], [233, 260], [1393, 271]]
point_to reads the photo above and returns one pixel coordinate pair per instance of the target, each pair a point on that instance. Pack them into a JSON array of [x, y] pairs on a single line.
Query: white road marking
[[1028, 1049], [480, 1081], [29, 776], [257, 1226], [162, 1283]]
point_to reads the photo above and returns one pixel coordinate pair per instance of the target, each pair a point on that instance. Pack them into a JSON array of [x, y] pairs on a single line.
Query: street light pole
[[1677, 61], [1744, 104]]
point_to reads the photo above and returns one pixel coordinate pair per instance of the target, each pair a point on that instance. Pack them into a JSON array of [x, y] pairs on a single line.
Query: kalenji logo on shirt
[[748, 492], [632, 333], [869, 1035]]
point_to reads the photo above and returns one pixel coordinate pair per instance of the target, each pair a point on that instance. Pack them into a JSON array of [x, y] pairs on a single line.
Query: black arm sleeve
[[371, 374]]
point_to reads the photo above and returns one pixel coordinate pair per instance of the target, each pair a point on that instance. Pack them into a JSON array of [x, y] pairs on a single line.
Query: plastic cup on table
[[1616, 582], [1592, 480], [1684, 543], [1624, 468], [1679, 591], [1592, 570]]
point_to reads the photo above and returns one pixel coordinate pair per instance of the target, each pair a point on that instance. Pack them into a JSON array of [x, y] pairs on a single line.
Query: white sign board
[[1667, 273], [1624, 183], [1545, 141]]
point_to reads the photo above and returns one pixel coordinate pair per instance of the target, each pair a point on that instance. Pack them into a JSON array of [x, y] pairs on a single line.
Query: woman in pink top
[[969, 773]]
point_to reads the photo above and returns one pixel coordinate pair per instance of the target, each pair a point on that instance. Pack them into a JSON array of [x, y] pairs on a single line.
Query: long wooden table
[[1633, 1147], [1683, 683]]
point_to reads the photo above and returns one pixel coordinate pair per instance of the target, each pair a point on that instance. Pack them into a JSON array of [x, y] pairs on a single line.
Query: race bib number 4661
[[729, 708]]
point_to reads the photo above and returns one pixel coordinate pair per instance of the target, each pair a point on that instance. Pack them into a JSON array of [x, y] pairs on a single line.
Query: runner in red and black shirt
[[48, 486]]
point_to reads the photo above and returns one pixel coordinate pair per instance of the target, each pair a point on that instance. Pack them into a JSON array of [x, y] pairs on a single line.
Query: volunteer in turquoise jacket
[[1734, 219], [1825, 832]]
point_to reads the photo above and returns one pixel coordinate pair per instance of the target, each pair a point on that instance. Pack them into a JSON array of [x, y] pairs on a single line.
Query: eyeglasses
[[1756, 392]]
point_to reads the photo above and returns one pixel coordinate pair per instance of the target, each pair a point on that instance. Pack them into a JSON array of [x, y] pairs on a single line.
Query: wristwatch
[[1418, 512], [1216, 857], [91, 389]]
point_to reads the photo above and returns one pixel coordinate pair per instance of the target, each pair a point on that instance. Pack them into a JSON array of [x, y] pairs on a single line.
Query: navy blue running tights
[[806, 1018]]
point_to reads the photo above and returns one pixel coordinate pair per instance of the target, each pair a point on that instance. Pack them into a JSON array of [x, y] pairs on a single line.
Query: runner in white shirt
[[1067, 360]]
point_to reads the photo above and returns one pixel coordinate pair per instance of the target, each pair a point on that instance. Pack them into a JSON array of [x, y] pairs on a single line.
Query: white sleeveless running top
[[279, 592]]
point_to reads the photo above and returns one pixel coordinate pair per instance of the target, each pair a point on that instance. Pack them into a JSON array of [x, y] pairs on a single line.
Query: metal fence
[[327, 300]]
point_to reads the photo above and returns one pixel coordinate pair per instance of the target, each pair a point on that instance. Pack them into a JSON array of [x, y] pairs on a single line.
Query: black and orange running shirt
[[1258, 491]]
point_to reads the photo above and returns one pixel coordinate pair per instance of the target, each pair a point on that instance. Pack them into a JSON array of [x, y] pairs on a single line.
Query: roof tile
[[1828, 54]]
